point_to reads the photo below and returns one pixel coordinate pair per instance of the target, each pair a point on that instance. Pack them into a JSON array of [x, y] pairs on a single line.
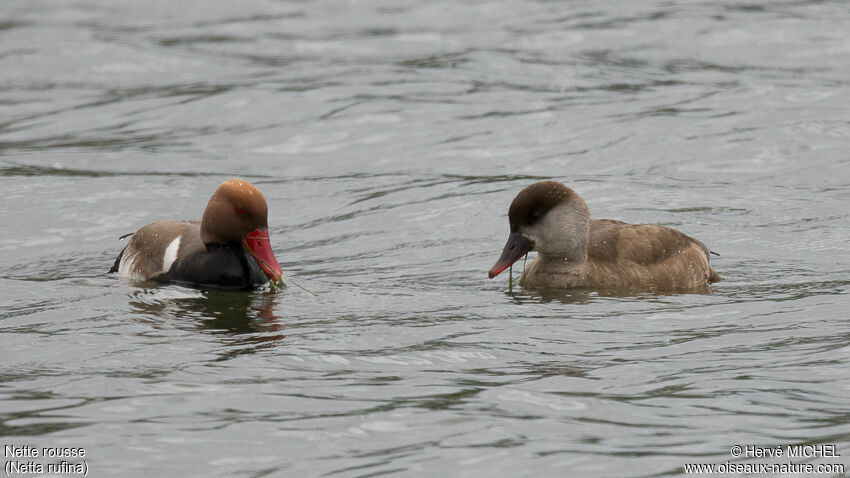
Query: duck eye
[[240, 211]]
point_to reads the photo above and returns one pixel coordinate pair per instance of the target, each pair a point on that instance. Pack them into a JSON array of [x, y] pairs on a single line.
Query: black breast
[[216, 267]]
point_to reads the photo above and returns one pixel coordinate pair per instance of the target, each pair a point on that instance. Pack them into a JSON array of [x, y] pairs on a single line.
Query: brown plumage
[[575, 251]]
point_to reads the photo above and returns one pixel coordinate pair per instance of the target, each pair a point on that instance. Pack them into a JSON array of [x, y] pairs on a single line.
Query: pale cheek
[[533, 236]]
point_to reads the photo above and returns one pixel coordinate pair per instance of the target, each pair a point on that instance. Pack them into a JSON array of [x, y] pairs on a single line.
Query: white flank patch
[[170, 254]]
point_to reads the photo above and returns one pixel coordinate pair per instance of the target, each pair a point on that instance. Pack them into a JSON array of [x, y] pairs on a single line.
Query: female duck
[[575, 251]]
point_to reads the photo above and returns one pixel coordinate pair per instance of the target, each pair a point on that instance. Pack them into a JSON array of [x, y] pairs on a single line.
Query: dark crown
[[533, 202]]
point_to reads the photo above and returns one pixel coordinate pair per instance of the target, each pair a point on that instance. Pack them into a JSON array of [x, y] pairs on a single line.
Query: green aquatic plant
[[511, 274], [279, 284], [276, 285]]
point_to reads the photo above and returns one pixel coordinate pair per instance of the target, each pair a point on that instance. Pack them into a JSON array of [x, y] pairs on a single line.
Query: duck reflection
[[583, 296], [231, 313], [575, 296]]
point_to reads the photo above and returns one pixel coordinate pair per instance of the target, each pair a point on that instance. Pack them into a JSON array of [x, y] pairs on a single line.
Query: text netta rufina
[[228, 248], [575, 251]]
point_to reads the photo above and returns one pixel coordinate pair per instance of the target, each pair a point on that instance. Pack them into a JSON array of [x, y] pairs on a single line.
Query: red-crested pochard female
[[228, 248], [575, 251]]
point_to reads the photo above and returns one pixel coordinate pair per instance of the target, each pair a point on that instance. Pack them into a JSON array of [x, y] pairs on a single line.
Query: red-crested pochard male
[[228, 248], [575, 251]]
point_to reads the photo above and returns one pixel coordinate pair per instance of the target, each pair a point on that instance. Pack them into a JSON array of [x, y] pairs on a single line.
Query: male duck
[[228, 248]]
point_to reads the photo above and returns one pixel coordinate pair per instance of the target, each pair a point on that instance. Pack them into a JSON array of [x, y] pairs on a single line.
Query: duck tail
[[712, 276], [117, 263]]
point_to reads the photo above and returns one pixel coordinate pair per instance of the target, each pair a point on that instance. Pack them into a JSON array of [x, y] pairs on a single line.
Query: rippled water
[[389, 138]]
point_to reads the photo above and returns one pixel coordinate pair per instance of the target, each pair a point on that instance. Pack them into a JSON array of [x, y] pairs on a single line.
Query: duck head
[[549, 218], [237, 213]]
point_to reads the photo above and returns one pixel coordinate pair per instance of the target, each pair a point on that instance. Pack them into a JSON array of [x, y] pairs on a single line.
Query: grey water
[[389, 138]]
